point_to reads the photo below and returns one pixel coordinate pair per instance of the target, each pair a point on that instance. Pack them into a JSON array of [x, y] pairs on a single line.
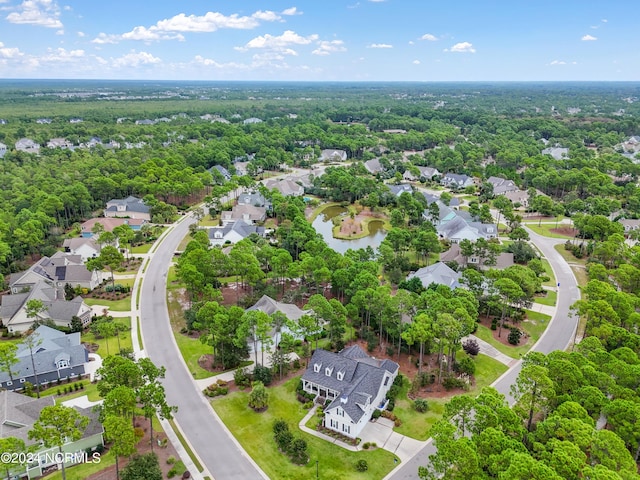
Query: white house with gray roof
[[355, 383], [27, 145], [455, 180], [131, 207], [233, 232], [57, 270], [14, 315], [332, 155], [3, 149]]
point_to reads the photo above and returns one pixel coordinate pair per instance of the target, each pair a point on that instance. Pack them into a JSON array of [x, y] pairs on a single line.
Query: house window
[[63, 364], [9, 383], [316, 367], [328, 371], [22, 380], [386, 381], [340, 375], [346, 428], [333, 423], [490, 229]]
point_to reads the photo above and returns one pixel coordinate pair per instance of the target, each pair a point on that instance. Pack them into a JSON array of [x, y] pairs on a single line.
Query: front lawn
[[254, 432], [110, 346], [122, 305], [83, 471], [549, 299], [545, 230], [90, 390], [535, 324]]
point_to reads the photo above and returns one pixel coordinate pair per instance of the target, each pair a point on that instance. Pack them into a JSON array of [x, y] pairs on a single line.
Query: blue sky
[[328, 40]]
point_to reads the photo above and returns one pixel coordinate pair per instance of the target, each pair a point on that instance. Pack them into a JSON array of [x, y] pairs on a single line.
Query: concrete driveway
[[381, 433]]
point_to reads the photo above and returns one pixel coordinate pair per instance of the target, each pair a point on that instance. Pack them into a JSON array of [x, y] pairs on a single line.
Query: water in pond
[[324, 226]]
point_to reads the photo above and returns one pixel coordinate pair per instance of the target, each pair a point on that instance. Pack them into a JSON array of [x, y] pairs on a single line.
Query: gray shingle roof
[[269, 306], [131, 204], [398, 190], [362, 377], [52, 344], [239, 226], [438, 273]]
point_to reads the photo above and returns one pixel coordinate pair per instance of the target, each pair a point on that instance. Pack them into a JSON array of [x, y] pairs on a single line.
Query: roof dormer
[[316, 367], [328, 371]]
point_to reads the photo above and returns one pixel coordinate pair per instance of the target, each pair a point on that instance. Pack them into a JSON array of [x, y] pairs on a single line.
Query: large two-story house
[[355, 383], [56, 355]]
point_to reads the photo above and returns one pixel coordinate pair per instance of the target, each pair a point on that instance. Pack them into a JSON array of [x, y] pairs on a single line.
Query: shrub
[[391, 405], [262, 374], [171, 460], [172, 473], [279, 426], [362, 465], [494, 324], [296, 364], [471, 347], [450, 382], [466, 365], [376, 414], [420, 405], [59, 392], [241, 378], [514, 336]]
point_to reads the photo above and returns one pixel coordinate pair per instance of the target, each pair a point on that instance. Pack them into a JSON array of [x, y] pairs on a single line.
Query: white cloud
[[377, 1], [136, 59], [462, 47], [326, 47], [81, 34], [589, 38], [61, 55], [380, 45], [604, 20], [171, 28], [558, 62], [60, 32], [429, 37], [291, 11], [6, 52], [416, 62], [208, 62], [279, 43], [45, 13]]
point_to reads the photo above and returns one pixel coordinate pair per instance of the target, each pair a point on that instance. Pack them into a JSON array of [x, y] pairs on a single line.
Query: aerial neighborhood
[[270, 282]]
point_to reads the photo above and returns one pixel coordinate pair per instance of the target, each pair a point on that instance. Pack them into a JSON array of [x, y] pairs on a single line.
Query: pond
[[324, 226]]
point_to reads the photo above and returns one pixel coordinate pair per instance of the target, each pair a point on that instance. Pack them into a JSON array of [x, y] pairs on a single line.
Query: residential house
[[131, 207], [3, 121], [332, 155], [556, 152], [426, 173], [462, 228], [14, 315], [59, 269], [233, 232], [503, 259], [287, 188], [109, 223], [629, 224], [56, 356], [439, 273], [502, 185], [251, 120], [27, 145], [519, 196], [43, 121], [59, 143], [253, 198], [397, 190], [270, 306], [75, 120], [247, 213], [223, 171], [3, 149], [18, 413], [146, 121], [445, 213], [454, 202], [305, 178], [86, 248], [374, 166], [355, 383], [456, 181]]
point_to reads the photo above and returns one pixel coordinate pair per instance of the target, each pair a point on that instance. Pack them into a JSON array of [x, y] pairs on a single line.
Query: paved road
[[219, 452], [558, 336]]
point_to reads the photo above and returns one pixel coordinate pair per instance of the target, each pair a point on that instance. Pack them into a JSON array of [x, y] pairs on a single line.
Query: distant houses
[[109, 223], [220, 172], [131, 207], [27, 145], [557, 152], [3, 150], [249, 214], [456, 181], [502, 185], [287, 188], [397, 190], [373, 166], [332, 155], [425, 173]]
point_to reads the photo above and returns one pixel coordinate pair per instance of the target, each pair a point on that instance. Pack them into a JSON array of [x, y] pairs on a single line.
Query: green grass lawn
[[144, 248], [80, 472], [254, 432], [549, 299], [535, 324], [549, 272], [122, 305], [545, 230], [209, 221], [418, 425], [127, 282], [90, 389], [568, 256], [110, 346]]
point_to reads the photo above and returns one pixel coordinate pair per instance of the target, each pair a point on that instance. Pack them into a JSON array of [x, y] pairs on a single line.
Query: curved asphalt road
[[215, 446], [557, 336]]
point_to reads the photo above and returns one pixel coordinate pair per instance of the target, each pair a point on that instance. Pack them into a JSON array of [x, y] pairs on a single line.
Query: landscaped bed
[[254, 432]]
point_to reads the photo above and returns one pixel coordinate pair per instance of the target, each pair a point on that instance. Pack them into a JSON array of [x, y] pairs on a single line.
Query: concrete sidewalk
[[491, 351]]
